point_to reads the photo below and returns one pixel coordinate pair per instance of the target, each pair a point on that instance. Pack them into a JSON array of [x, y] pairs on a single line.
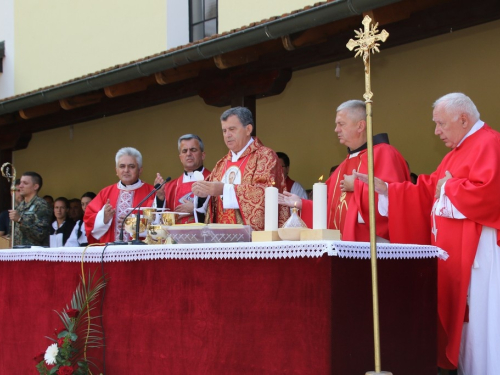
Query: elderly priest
[[457, 209], [237, 183]]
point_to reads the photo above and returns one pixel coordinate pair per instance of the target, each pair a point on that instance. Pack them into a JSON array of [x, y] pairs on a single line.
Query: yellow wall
[[236, 13], [58, 40], [300, 121]]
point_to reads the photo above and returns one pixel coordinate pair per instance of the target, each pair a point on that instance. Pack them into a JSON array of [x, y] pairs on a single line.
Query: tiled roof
[[225, 34]]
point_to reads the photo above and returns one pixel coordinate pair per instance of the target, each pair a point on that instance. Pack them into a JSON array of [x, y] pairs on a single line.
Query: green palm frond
[[80, 332]]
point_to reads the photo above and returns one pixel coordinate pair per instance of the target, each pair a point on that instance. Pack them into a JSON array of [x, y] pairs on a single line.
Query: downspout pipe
[[316, 16]]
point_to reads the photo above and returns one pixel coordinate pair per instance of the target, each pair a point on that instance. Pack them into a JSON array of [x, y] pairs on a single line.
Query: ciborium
[[130, 223]]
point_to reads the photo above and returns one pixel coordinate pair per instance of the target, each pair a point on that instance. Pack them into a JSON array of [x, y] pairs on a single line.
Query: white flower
[[50, 354]]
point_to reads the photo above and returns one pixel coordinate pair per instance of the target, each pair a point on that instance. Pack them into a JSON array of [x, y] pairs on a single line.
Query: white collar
[[188, 176], [137, 185], [478, 125], [235, 157]]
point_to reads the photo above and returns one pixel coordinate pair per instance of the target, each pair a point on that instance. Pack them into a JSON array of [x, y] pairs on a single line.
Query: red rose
[[72, 313], [39, 357], [60, 342], [65, 370]]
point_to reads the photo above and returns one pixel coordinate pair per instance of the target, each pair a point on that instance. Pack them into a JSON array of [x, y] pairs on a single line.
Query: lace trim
[[361, 250], [261, 250]]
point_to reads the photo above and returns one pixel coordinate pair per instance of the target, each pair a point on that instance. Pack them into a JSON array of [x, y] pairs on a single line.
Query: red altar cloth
[[236, 316]]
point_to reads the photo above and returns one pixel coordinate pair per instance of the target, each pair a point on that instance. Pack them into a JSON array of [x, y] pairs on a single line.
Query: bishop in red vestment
[[104, 215], [236, 186], [177, 195], [457, 209], [347, 205]]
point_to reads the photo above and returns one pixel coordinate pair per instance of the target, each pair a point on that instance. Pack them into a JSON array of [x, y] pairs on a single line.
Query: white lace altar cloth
[[250, 250]]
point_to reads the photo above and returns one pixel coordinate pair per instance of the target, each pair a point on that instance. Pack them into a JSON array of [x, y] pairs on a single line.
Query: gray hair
[[244, 115], [130, 151], [357, 108], [187, 137], [457, 103]]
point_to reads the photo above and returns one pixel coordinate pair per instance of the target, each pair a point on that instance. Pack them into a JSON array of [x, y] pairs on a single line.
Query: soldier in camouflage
[[33, 215]]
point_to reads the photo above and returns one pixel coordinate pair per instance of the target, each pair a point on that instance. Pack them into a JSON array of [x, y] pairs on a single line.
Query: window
[[2, 54], [202, 19]]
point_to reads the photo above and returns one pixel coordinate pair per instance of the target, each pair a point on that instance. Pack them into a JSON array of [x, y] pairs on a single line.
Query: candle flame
[[321, 178]]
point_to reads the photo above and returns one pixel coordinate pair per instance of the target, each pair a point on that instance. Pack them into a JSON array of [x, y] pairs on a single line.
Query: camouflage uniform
[[35, 223]]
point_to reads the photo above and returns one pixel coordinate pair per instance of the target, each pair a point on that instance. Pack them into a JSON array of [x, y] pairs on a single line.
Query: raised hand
[[109, 212], [380, 186]]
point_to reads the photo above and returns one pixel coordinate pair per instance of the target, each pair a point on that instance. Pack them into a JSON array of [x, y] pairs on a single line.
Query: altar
[[241, 308]]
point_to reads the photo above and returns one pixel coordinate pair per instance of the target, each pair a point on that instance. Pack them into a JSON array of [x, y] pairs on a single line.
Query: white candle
[[271, 209], [319, 205]]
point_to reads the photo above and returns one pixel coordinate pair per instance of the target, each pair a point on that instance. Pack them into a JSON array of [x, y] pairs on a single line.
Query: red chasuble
[[262, 169], [474, 191], [343, 207], [176, 191], [112, 193]]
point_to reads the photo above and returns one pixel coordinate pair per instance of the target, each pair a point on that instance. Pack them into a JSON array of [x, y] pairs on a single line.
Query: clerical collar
[[377, 139], [199, 169], [235, 157], [478, 125], [133, 186]]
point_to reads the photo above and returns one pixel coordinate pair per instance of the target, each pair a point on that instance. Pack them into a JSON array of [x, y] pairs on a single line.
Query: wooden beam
[[219, 90], [175, 75], [12, 140], [287, 43], [129, 87], [247, 55], [40, 110], [81, 100], [236, 58], [7, 119]]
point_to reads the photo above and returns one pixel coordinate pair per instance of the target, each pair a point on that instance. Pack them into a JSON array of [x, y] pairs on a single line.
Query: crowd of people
[[455, 208]]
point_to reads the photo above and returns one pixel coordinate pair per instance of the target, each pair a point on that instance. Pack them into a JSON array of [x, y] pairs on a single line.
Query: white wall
[[7, 35]]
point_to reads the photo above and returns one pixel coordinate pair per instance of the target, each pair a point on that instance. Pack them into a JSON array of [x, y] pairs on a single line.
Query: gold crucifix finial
[[367, 42]]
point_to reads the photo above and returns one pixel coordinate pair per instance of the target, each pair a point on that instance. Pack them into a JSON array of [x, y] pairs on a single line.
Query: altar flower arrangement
[[67, 355]]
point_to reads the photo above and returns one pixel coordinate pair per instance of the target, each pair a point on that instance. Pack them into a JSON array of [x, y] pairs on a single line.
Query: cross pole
[[9, 172], [366, 43]]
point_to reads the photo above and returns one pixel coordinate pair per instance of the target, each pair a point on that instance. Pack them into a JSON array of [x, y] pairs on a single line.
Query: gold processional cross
[[367, 41]]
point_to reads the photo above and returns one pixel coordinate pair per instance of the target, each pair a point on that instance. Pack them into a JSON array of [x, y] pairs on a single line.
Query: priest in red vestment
[[177, 195], [347, 205], [457, 208], [104, 215], [237, 184]]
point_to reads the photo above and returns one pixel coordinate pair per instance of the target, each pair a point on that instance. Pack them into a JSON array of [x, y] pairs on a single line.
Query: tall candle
[[271, 209], [319, 205]]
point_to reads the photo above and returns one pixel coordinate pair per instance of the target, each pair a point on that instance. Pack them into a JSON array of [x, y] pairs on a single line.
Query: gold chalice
[[149, 214], [130, 224], [168, 218]]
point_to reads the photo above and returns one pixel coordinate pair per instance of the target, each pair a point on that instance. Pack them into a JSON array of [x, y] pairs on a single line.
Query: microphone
[[138, 218]]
